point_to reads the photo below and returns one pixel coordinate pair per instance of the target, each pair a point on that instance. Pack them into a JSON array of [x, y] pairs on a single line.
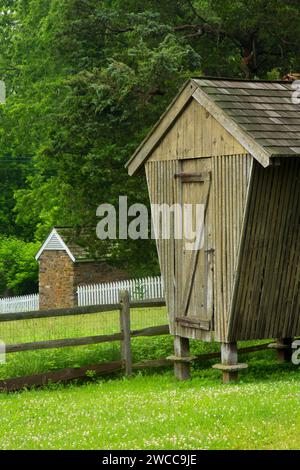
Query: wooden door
[[195, 255]]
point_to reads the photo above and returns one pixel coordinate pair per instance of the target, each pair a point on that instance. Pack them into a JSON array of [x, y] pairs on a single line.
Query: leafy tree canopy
[[18, 268], [87, 79]]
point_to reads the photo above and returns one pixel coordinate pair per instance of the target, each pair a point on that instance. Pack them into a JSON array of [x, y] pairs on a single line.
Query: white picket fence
[[25, 303], [108, 293], [95, 294]]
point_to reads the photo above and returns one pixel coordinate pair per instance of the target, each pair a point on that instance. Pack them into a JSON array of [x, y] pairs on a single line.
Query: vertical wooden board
[[172, 170], [267, 236], [221, 142], [161, 181], [195, 134], [271, 254], [291, 325], [178, 246], [189, 132], [255, 251], [250, 253], [242, 268], [231, 180], [288, 259], [223, 247], [180, 136], [272, 251], [215, 193], [198, 130], [236, 212], [275, 255], [218, 242], [220, 333], [210, 252], [206, 127]]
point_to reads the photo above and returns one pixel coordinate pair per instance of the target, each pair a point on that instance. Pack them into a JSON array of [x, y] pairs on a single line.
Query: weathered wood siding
[[165, 188], [231, 177], [266, 301], [196, 134], [252, 234]]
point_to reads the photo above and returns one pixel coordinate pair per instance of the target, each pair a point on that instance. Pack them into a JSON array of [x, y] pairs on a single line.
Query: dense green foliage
[[18, 268], [86, 79]]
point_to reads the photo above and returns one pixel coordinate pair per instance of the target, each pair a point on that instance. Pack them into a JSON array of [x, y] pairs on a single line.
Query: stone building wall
[[96, 272], [59, 278], [56, 280]]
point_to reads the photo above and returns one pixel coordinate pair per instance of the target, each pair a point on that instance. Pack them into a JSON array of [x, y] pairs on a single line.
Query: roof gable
[[196, 134], [161, 127], [260, 115], [55, 243], [81, 245]]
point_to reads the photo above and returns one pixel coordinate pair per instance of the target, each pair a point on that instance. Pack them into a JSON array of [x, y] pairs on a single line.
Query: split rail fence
[[122, 313], [124, 337]]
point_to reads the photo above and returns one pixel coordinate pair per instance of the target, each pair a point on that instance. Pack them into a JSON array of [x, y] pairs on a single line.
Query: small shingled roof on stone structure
[[80, 244], [260, 115]]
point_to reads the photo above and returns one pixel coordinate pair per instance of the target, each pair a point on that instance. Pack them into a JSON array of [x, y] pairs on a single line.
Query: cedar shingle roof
[[80, 242], [263, 109], [259, 114]]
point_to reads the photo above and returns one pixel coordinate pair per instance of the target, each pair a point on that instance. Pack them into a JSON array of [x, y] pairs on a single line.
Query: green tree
[[88, 78], [18, 268]]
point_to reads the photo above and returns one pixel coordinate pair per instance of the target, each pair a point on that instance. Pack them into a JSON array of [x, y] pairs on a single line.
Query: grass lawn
[[154, 411], [151, 410]]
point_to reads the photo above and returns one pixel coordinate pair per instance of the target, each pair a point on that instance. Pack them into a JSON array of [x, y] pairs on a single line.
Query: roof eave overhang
[[189, 91], [254, 149], [154, 137]]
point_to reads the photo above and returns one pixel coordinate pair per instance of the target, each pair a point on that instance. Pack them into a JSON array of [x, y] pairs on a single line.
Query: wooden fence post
[[125, 329], [122, 348]]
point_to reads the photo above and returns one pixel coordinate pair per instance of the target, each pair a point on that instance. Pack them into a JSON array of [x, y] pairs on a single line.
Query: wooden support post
[[229, 357], [229, 363], [125, 329], [284, 349], [182, 351]]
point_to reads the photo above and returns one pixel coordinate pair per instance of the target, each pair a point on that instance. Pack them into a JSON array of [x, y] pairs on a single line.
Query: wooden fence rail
[[64, 375], [87, 340], [63, 312], [124, 336]]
